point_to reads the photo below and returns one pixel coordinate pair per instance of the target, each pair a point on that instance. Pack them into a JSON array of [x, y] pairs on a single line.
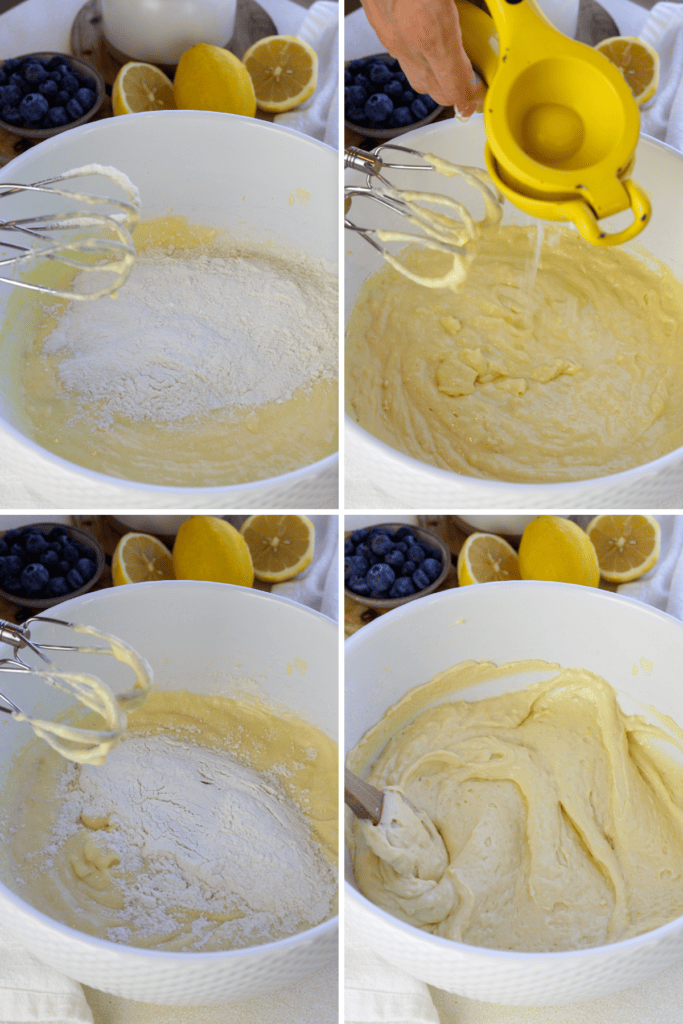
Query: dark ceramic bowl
[[389, 133], [435, 541], [47, 602], [83, 67]]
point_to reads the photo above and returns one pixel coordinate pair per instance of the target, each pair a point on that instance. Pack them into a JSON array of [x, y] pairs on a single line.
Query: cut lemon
[[211, 78], [141, 87], [209, 548], [280, 546], [284, 71], [553, 548], [485, 558], [637, 61], [139, 558], [626, 546]]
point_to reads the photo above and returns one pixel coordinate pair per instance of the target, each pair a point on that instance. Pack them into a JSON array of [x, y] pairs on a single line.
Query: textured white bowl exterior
[[205, 637], [259, 179], [410, 483], [636, 648]]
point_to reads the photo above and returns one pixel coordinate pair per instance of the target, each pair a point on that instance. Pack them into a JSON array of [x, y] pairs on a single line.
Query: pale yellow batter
[[564, 373], [559, 819], [231, 445], [212, 825]]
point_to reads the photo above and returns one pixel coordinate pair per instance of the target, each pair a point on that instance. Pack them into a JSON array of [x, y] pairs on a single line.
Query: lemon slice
[[139, 558], [211, 78], [284, 71], [553, 548], [626, 546], [280, 546], [141, 87], [485, 558], [637, 61], [209, 548]]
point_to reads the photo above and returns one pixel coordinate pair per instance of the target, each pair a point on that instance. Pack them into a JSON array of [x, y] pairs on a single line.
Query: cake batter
[[558, 818], [557, 369]]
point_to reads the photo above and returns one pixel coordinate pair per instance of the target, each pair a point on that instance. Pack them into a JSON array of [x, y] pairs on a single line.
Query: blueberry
[[69, 84], [54, 76], [56, 62], [408, 568], [418, 109], [378, 108], [354, 66], [34, 73], [3, 76], [355, 565], [356, 115], [70, 554], [61, 99], [349, 547], [403, 587], [36, 544], [86, 98], [4, 547], [63, 566], [400, 118], [421, 579], [431, 568], [13, 584], [364, 81], [74, 109], [380, 544], [48, 89], [394, 558], [11, 64], [10, 114], [400, 77], [416, 554], [358, 585], [49, 558], [10, 96], [74, 579], [11, 565], [363, 549], [58, 533], [20, 83], [33, 107], [19, 550], [86, 567], [393, 89], [88, 83], [358, 536], [408, 98], [405, 533], [429, 103], [56, 117], [348, 78], [379, 73], [34, 578], [57, 587], [355, 95], [380, 577]]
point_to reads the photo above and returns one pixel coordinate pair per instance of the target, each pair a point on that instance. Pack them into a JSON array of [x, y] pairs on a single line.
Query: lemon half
[[141, 558], [486, 558], [637, 61], [280, 546], [626, 546], [284, 71], [139, 87]]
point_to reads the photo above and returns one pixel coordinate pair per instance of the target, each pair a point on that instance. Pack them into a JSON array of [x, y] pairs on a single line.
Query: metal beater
[[73, 742], [447, 232], [101, 238]]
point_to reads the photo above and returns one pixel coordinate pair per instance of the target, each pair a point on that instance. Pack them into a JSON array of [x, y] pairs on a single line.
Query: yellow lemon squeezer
[[561, 122]]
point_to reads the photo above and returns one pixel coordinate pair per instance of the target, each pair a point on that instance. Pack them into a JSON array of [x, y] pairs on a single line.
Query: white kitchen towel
[[662, 117], [319, 116], [377, 993], [31, 992], [318, 586]]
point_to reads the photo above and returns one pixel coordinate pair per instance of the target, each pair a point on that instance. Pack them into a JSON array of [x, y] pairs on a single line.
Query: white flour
[[191, 333], [198, 831]]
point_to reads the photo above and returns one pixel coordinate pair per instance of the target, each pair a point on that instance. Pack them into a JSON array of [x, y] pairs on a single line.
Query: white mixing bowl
[[636, 648], [206, 637], [265, 182], [414, 484]]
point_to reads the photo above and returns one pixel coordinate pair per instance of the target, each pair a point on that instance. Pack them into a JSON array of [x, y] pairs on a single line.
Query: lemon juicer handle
[[561, 123]]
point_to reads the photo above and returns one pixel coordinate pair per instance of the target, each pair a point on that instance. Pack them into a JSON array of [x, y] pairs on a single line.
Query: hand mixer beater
[[94, 237], [76, 743]]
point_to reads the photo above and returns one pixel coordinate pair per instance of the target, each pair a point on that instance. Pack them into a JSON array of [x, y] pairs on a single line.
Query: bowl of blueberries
[[379, 101], [45, 563], [42, 94], [390, 564]]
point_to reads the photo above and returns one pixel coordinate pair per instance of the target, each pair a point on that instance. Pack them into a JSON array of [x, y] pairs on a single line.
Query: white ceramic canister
[[161, 30], [564, 14]]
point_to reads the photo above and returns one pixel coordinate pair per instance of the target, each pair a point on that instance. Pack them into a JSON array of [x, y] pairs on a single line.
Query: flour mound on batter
[[562, 818], [565, 373]]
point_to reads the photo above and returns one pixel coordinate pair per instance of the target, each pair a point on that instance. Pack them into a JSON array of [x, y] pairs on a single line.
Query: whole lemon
[[209, 548], [210, 78], [553, 548]]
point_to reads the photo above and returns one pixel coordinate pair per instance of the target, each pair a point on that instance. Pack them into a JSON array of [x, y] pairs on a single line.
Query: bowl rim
[[394, 602], [43, 603], [506, 956], [409, 464], [120, 950], [92, 476], [81, 64]]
